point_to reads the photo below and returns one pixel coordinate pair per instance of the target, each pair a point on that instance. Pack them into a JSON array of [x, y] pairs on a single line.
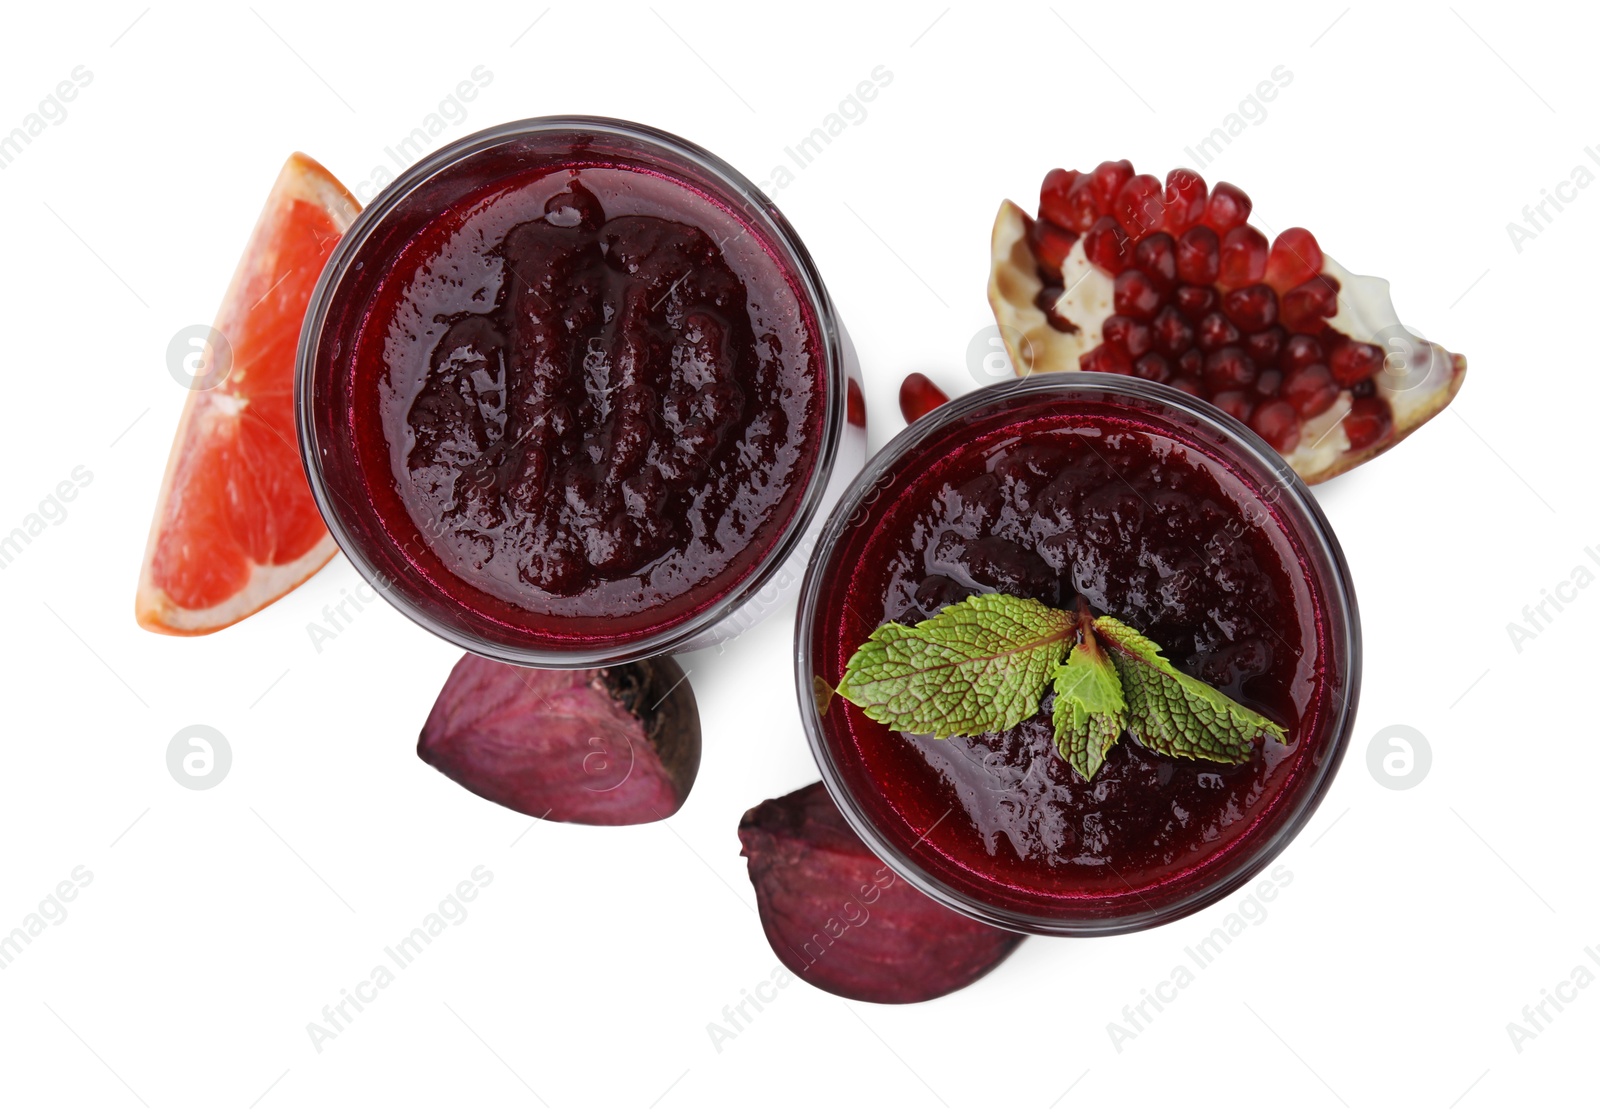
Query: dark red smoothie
[[594, 394], [1149, 525]]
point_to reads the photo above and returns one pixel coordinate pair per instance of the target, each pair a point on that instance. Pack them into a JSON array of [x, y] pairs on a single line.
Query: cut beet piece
[[616, 746], [840, 919]]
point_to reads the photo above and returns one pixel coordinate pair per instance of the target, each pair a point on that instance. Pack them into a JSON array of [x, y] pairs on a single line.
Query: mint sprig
[[983, 665], [977, 666]]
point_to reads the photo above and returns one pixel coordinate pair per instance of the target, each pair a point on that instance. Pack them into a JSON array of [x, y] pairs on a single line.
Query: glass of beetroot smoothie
[[571, 392], [1155, 508]]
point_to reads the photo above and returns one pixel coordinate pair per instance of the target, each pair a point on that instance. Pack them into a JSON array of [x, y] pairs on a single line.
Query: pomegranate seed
[[1228, 208], [1278, 425], [1300, 350], [1139, 207], [1214, 331], [1108, 179], [1228, 368], [1235, 403], [1157, 257], [1103, 358], [1369, 421], [1053, 196], [1153, 366], [1082, 208], [1107, 245], [1295, 258], [1267, 383], [1195, 302], [1244, 257], [1310, 389], [1173, 334], [1186, 383], [1251, 308], [1353, 361], [1192, 363], [1136, 296], [1304, 307], [1050, 244], [1265, 346], [919, 395], [1363, 389], [1128, 337], [1185, 200], [855, 405], [1199, 254]]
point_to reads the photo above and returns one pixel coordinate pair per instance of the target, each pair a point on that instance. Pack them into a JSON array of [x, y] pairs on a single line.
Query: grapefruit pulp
[[235, 526]]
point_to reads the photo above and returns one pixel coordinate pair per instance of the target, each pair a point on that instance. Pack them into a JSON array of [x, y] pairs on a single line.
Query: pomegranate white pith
[[1269, 370]]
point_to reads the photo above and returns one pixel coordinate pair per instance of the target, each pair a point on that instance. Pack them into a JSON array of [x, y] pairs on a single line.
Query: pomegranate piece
[[1369, 422], [841, 920], [1228, 208], [1185, 290], [1295, 259], [616, 746], [1185, 200], [919, 395]]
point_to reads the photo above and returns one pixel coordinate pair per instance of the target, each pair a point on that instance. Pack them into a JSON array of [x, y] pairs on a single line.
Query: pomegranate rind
[[301, 179], [1036, 346]]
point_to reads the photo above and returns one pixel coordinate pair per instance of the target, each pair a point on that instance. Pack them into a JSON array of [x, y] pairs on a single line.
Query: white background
[[1418, 923]]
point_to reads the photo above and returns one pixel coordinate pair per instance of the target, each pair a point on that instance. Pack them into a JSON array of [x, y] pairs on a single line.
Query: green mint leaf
[[979, 665], [1090, 711], [1174, 714]]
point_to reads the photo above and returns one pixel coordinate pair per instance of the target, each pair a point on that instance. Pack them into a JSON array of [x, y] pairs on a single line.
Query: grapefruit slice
[[235, 526]]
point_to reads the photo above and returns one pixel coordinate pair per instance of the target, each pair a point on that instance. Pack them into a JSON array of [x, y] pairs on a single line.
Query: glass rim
[[796, 260], [1316, 535]]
